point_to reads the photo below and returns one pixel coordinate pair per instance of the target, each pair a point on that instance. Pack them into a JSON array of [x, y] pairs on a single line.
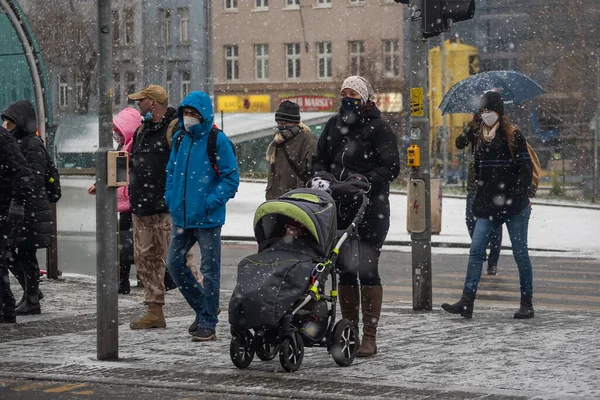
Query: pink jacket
[[126, 122]]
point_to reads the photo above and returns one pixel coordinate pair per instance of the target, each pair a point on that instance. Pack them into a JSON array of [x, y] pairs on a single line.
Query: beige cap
[[154, 92]]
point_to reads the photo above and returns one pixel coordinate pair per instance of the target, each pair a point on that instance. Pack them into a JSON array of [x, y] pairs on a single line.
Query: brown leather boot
[[154, 318], [371, 298], [349, 303]]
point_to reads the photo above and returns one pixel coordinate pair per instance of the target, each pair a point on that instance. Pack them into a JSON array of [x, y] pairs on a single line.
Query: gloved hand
[[16, 216], [321, 181], [353, 186]]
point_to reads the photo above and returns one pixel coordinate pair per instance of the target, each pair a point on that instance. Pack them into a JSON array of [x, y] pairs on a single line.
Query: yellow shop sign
[[238, 104]]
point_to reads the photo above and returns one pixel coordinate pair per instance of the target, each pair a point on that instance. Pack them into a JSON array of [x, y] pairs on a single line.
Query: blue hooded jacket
[[194, 193]]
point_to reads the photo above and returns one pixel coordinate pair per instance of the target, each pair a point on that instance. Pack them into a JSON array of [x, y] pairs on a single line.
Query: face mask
[[350, 104], [489, 118], [118, 138], [189, 122], [5, 125], [148, 116]]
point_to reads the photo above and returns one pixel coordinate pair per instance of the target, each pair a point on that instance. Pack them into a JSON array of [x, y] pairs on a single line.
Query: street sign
[[416, 102]]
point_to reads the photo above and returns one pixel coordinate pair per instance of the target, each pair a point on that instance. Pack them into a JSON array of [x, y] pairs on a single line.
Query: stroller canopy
[[313, 209]]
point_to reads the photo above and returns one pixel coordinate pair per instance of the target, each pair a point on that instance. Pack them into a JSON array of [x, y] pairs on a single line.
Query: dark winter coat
[[282, 176], [37, 230], [150, 154], [465, 139], [15, 175], [502, 183], [368, 147]]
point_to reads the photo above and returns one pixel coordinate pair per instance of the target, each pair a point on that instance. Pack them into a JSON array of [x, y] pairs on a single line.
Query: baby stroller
[[279, 305]]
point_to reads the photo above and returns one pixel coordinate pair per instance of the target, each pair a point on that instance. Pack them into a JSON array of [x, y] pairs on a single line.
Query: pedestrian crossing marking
[[85, 392], [66, 388]]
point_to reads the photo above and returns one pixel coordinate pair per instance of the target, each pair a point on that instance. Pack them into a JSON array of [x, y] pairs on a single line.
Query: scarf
[[489, 133], [279, 138]]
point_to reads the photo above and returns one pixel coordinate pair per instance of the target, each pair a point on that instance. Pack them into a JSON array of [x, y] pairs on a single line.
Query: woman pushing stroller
[[358, 141]]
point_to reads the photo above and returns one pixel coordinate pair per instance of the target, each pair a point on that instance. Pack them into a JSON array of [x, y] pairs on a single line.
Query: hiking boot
[[154, 318], [203, 335], [526, 308], [492, 270], [464, 306]]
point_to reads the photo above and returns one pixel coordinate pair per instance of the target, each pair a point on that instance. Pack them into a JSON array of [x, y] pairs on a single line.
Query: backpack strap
[[211, 148], [170, 129], [292, 164]]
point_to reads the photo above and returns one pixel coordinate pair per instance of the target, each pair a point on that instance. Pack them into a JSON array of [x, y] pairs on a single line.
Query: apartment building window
[[356, 52], [117, 88], [292, 56], [165, 26], [184, 25], [261, 53], [357, 2], [63, 91], [169, 83], [129, 26], [323, 3], [231, 4], [115, 27], [324, 59], [130, 82], [261, 3], [232, 71], [185, 84], [391, 58], [292, 3]]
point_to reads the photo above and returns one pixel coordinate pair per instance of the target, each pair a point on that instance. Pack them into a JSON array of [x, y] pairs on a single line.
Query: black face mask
[[349, 109]]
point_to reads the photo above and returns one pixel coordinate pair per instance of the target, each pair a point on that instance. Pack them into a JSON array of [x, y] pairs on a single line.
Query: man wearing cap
[[290, 153], [150, 151]]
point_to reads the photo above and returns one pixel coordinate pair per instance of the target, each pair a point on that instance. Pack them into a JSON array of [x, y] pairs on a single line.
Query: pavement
[[422, 355]]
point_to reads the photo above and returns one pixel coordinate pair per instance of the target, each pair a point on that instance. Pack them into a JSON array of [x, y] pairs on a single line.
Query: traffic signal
[[438, 15]]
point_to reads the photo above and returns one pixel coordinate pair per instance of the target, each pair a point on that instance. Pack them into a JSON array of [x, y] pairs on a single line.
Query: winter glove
[[16, 216], [351, 188]]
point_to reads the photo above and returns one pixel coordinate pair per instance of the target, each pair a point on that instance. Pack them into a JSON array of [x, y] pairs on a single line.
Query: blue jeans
[[203, 300], [495, 239], [517, 230]]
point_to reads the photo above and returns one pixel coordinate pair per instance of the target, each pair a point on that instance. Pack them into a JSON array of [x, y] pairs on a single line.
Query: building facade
[[266, 51]]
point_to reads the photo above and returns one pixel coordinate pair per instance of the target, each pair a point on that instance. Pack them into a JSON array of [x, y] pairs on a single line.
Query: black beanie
[[492, 101], [288, 112]]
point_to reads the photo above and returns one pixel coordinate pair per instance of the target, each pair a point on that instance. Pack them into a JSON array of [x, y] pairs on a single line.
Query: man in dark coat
[[37, 231], [15, 178]]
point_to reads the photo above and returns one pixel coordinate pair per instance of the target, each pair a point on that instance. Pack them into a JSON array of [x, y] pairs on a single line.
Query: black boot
[[31, 306], [7, 300], [124, 284], [169, 283], [464, 307], [492, 270], [22, 300], [526, 308]]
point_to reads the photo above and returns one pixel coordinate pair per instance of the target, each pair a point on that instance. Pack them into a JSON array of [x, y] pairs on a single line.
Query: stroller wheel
[[291, 352], [265, 349], [241, 349], [344, 343]]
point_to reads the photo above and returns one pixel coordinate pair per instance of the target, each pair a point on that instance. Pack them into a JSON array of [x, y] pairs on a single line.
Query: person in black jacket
[[503, 171], [15, 178], [464, 140], [37, 230], [358, 141]]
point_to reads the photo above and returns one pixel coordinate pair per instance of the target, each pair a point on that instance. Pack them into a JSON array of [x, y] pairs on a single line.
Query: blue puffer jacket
[[195, 194]]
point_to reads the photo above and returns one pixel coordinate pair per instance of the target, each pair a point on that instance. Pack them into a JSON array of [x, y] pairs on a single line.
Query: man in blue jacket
[[198, 186]]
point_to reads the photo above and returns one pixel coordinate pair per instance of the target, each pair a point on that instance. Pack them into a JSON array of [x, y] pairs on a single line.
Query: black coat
[[368, 147], [37, 230], [15, 175], [502, 183], [150, 154]]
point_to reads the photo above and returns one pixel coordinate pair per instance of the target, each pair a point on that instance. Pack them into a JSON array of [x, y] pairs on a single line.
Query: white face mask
[[490, 118], [118, 138], [188, 122], [5, 125]]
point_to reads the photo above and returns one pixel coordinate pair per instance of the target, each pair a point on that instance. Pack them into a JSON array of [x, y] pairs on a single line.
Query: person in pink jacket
[[124, 126]]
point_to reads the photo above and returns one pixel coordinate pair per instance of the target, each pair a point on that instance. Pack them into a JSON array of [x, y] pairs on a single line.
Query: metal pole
[[595, 168], [210, 80], [107, 265], [444, 124], [419, 133]]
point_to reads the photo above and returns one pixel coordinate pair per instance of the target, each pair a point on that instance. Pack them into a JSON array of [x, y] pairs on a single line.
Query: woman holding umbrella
[[501, 197]]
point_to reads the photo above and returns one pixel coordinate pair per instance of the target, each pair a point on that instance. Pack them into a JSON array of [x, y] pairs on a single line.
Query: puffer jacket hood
[[201, 102], [127, 122], [22, 113]]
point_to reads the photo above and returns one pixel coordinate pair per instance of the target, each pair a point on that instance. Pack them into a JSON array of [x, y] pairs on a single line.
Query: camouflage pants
[[151, 236]]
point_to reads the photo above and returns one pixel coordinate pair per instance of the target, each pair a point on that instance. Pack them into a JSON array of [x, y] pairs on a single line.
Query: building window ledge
[[319, 6], [260, 9]]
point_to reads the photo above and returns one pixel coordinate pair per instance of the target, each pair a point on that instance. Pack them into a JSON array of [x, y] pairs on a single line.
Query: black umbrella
[[464, 96]]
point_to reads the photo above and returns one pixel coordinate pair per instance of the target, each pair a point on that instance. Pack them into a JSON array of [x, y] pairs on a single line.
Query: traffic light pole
[[420, 206], [107, 264]]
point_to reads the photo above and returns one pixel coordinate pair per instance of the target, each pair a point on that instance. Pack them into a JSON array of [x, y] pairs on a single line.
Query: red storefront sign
[[312, 103]]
